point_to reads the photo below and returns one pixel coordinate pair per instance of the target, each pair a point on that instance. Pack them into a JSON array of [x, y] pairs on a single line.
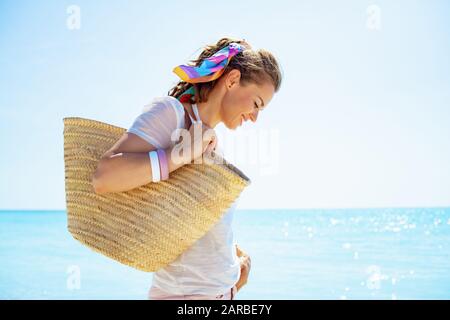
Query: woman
[[229, 83]]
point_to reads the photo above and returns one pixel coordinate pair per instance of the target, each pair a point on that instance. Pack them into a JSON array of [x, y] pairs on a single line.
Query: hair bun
[[246, 44]]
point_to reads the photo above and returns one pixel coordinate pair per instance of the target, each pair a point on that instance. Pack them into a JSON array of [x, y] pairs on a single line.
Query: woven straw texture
[[150, 226]]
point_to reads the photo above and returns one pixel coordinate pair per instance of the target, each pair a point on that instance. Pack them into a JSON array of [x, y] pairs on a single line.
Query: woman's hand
[[200, 139], [245, 267]]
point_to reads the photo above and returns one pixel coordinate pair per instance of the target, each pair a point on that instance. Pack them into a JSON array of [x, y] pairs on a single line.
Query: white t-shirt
[[211, 265]]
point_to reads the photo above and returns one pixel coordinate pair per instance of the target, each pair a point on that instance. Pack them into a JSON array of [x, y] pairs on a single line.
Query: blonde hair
[[255, 66]]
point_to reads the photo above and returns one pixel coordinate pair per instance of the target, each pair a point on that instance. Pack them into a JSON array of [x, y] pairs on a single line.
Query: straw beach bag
[[150, 226]]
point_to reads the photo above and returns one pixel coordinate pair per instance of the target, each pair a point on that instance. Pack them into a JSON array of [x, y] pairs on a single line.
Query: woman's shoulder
[[167, 104], [168, 101]]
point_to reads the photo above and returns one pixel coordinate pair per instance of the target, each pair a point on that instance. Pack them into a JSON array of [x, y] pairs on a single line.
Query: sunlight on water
[[303, 254]]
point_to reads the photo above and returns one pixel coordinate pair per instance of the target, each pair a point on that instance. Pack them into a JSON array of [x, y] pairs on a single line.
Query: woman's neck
[[209, 111]]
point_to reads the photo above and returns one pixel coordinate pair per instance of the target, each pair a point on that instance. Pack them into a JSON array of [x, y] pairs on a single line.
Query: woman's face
[[241, 103]]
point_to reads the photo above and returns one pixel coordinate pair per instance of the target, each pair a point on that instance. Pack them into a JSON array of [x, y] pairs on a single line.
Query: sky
[[361, 119]]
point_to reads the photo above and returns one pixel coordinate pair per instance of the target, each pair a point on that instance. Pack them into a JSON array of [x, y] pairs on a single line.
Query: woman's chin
[[231, 126]]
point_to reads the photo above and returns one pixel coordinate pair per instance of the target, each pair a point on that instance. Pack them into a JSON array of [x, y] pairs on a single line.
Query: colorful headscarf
[[210, 69]]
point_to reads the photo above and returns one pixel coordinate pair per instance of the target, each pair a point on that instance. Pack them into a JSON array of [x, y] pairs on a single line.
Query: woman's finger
[[209, 149], [240, 252], [214, 143]]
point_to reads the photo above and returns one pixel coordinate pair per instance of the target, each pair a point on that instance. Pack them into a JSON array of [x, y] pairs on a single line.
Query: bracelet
[[163, 164], [156, 177]]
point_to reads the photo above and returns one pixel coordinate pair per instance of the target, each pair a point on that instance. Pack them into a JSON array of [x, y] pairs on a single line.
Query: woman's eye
[[256, 106]]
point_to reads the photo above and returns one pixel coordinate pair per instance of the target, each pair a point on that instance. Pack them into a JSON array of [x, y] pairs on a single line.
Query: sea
[[307, 254]]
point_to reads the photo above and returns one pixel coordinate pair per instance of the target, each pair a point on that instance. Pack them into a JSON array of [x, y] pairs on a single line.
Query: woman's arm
[[127, 165]]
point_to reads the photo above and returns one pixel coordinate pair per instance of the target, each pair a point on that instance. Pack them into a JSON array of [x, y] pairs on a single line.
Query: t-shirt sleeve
[[157, 122]]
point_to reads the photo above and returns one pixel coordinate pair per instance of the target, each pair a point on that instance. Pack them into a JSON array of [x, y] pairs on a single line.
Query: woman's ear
[[232, 78]]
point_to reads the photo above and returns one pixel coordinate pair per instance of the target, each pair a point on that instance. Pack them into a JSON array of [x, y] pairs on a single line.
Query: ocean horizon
[[381, 253]]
